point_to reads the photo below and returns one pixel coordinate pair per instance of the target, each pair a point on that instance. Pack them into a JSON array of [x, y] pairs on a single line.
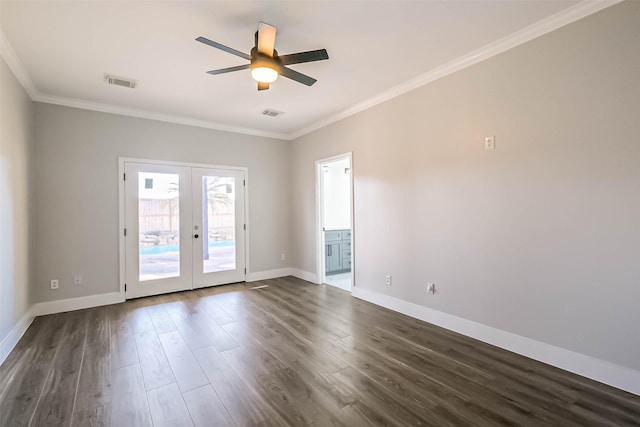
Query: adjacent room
[[354, 213]]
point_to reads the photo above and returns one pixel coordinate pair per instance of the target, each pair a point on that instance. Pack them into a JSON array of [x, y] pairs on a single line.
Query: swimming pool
[[174, 248]]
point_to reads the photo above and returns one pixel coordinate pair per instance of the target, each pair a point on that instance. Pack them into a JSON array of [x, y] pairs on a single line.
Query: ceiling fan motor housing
[[261, 60]]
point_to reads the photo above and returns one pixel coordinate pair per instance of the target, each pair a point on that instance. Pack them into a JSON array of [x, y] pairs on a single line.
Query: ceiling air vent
[[272, 113], [119, 81]]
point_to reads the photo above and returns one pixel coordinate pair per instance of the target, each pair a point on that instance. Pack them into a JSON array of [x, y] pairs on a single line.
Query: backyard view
[[159, 225]]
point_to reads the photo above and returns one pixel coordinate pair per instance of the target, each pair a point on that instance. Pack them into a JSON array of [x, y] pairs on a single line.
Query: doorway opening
[[183, 226], [334, 192]]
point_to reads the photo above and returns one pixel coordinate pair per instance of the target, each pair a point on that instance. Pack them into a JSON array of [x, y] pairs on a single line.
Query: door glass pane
[[158, 225], [218, 221]]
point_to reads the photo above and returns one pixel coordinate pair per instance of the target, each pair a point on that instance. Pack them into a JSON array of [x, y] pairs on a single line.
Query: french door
[[185, 227]]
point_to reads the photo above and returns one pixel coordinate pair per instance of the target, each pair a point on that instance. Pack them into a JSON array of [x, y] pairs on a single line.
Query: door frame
[[320, 243], [121, 208]]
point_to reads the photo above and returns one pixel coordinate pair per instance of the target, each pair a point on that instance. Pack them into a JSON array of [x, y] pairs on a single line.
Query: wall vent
[[272, 113], [120, 81]]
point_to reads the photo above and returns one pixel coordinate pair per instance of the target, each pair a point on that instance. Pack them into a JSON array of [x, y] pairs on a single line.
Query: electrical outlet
[[431, 288], [77, 280], [490, 143], [387, 280], [283, 257], [54, 284]]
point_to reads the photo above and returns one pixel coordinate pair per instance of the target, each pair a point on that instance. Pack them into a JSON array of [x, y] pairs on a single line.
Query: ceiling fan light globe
[[264, 74]]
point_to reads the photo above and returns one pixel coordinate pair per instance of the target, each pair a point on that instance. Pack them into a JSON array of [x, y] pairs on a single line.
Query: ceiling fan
[[266, 65]]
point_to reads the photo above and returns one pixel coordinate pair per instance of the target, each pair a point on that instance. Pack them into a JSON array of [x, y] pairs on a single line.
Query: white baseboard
[[10, 341], [599, 370], [282, 272], [268, 274], [305, 275], [71, 304]]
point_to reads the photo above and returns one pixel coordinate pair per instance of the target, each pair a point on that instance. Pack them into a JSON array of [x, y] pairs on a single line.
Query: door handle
[[195, 236]]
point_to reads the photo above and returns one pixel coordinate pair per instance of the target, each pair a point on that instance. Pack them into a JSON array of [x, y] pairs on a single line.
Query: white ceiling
[[374, 47]]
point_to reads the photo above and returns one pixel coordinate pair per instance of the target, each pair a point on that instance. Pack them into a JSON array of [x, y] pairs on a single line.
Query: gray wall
[[539, 237], [77, 190], [16, 200]]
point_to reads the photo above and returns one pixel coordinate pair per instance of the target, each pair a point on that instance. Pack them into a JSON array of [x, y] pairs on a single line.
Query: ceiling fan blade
[[223, 47], [310, 56], [263, 86], [229, 69], [299, 77], [266, 38]]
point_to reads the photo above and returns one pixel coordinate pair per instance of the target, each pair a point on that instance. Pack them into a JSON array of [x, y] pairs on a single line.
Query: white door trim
[[121, 208], [320, 267]]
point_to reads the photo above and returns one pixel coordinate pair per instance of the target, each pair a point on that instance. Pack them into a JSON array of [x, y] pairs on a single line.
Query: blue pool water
[[174, 248]]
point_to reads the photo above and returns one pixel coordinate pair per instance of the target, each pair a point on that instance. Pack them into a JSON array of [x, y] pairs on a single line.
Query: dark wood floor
[[292, 353]]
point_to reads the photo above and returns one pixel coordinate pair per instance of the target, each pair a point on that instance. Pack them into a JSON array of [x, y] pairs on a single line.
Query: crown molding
[[16, 66], [551, 23], [14, 63], [152, 115], [540, 28]]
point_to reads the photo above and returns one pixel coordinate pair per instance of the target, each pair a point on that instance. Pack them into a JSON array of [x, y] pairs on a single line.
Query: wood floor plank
[[602, 413], [219, 337], [377, 396], [518, 383], [136, 314], [313, 308], [294, 323], [215, 312], [273, 321], [312, 319], [192, 332], [290, 353], [260, 372], [180, 308], [123, 344], [55, 405], [168, 408], [205, 407], [26, 369], [185, 368], [129, 406], [94, 385], [291, 348], [156, 370], [244, 406], [161, 319], [312, 368], [417, 387], [96, 417], [441, 370], [297, 401]]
